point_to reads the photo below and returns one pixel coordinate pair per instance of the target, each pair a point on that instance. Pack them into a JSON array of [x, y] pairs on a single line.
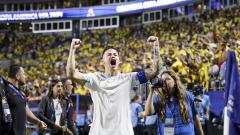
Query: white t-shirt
[[111, 99], [58, 110]]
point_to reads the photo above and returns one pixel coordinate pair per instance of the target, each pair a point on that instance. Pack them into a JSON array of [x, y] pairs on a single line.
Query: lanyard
[[19, 92], [171, 106], [68, 107], [69, 104]]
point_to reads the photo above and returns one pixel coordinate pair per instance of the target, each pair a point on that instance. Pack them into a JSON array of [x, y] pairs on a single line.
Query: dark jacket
[[46, 113], [17, 104], [69, 112]]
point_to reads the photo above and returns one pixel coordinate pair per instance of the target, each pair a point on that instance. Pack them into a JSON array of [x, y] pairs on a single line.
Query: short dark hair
[[110, 47], [64, 80], [136, 97], [13, 70]]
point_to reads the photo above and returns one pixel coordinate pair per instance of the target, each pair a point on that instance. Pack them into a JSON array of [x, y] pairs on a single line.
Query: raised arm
[[157, 60], [72, 72]]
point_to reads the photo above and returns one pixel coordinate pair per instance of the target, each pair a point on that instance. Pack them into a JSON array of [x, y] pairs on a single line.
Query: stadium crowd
[[195, 49]]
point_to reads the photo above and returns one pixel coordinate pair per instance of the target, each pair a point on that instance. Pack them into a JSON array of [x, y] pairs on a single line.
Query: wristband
[[141, 76]]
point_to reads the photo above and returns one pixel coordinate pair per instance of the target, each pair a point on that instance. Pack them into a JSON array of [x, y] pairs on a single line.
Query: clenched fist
[[75, 43], [153, 40]]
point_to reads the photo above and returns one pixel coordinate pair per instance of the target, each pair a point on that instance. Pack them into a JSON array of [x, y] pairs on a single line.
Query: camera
[[157, 82]]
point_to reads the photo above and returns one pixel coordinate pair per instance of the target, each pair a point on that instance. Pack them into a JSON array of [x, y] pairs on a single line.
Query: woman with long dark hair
[[173, 97], [52, 109]]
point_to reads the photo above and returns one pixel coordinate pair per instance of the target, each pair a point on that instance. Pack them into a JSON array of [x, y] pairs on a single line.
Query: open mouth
[[113, 62]]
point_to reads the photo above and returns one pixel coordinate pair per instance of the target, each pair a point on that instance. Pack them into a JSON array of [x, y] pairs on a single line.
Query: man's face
[[21, 76], [111, 58], [149, 60], [68, 86], [198, 104]]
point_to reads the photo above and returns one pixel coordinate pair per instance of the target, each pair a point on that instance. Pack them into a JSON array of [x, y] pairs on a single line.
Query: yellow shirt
[[81, 90], [126, 67], [203, 76]]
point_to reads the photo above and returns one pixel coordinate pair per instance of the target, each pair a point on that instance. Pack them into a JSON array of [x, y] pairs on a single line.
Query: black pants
[[205, 128], [6, 132], [6, 129], [138, 130], [151, 130]]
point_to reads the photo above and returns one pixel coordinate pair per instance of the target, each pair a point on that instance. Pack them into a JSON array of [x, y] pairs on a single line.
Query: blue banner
[[232, 94], [214, 4], [217, 101], [84, 12], [22, 16]]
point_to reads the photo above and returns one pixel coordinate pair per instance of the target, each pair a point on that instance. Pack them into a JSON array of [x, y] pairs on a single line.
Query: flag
[[232, 94]]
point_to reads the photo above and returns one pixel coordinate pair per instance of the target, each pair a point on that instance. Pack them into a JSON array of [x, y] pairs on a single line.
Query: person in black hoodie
[[52, 110]]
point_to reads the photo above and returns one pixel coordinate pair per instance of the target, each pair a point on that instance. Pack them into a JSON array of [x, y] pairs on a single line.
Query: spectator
[[52, 110]]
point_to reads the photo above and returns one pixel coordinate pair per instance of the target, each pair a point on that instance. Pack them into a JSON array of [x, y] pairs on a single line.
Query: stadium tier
[[194, 38]]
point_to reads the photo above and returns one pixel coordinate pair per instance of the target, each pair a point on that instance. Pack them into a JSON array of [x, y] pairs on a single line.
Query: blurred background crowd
[[195, 49]]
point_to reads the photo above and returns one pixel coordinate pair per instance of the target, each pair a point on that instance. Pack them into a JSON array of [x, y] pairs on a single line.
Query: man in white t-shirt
[[110, 91]]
